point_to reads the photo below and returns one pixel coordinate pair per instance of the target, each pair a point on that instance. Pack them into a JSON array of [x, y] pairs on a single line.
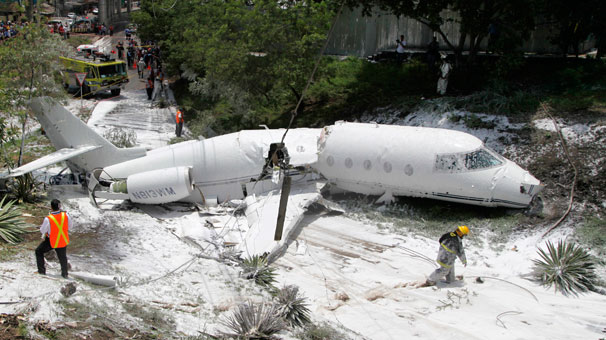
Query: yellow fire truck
[[101, 75]]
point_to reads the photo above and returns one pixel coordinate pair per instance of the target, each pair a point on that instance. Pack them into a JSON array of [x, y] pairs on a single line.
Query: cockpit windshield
[[479, 159], [112, 70]]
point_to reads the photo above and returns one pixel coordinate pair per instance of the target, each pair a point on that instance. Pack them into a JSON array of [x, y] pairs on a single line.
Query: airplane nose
[[530, 185], [514, 186]]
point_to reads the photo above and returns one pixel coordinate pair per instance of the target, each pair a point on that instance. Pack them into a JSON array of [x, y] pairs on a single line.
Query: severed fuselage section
[[366, 158], [363, 158]]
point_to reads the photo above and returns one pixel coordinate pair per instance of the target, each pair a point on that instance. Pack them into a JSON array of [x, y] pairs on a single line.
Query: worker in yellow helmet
[[451, 247]]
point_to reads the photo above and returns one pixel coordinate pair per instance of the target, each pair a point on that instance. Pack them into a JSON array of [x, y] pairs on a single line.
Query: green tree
[[262, 51], [30, 68], [514, 19], [598, 27], [576, 22]]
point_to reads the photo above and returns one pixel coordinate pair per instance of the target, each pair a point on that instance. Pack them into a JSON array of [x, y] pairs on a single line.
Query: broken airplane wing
[[50, 159], [262, 212]]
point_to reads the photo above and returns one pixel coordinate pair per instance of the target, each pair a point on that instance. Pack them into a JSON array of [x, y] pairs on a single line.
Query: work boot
[[427, 283]]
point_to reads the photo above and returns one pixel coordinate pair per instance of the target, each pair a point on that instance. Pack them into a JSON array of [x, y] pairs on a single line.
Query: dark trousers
[[149, 90], [178, 129], [45, 247]]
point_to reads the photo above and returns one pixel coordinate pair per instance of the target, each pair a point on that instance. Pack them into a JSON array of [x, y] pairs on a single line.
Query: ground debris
[[9, 325], [69, 289], [342, 296]]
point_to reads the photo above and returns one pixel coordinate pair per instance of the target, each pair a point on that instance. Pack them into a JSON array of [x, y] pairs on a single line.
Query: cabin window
[[367, 165], [348, 163], [408, 170], [387, 167], [330, 160]]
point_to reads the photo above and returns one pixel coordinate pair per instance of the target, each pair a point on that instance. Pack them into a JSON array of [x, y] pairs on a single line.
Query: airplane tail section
[[68, 131]]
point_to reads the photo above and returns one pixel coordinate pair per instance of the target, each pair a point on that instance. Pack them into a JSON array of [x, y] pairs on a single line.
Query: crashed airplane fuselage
[[365, 158], [369, 159]]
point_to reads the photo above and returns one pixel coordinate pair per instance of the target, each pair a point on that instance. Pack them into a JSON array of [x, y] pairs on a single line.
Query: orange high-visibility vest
[[59, 225], [179, 116]]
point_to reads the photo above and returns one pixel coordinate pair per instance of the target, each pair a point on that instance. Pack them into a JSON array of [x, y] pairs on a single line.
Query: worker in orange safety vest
[[55, 235], [179, 120]]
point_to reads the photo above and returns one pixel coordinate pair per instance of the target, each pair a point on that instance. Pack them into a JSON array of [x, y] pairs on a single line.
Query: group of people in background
[[102, 29], [61, 30], [10, 29], [432, 55]]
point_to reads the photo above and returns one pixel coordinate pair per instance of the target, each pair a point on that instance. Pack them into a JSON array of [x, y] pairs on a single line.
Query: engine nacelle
[[160, 186]]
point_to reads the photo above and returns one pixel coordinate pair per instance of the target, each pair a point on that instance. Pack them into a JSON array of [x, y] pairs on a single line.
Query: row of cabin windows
[[367, 165], [475, 160]]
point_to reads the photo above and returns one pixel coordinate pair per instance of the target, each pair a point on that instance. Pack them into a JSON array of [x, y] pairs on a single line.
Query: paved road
[[132, 110]]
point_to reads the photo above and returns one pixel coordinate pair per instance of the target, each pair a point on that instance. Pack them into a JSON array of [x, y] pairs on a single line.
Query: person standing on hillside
[[401, 44], [129, 58], [149, 87], [444, 73], [433, 52], [120, 49], [179, 120], [55, 234], [141, 68], [451, 247]]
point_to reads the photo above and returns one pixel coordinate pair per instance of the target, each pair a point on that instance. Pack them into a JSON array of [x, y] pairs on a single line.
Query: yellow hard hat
[[462, 230]]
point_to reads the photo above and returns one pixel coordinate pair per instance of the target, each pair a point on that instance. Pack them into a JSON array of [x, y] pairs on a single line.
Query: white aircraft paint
[[421, 162], [370, 159]]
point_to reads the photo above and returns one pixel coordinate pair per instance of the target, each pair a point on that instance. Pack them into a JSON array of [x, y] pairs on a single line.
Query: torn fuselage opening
[[277, 157]]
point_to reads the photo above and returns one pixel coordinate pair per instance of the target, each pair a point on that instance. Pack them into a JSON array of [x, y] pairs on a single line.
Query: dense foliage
[[29, 68], [511, 21], [239, 57]]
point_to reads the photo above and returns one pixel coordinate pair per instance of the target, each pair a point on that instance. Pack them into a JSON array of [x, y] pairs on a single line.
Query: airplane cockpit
[[480, 159]]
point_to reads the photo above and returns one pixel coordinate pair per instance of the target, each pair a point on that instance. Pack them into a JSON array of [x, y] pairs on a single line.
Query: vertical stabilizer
[[67, 131]]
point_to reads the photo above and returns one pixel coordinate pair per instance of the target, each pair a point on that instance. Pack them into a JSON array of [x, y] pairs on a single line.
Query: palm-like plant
[[25, 188], [292, 305], [11, 225], [254, 322], [567, 267], [256, 268], [122, 138]]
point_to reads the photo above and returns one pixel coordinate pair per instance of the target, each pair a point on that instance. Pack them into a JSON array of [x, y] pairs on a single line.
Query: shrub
[[11, 225], [122, 138], [254, 322], [25, 188], [256, 268], [320, 332], [567, 267], [293, 307]]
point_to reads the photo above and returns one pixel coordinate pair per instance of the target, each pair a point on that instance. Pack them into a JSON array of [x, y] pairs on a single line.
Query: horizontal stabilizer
[[50, 159]]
